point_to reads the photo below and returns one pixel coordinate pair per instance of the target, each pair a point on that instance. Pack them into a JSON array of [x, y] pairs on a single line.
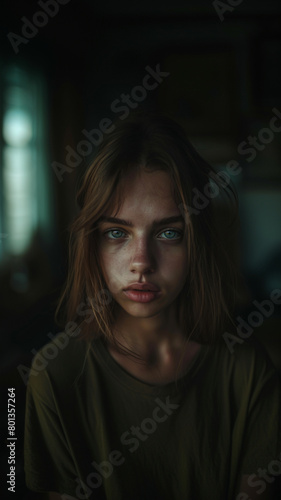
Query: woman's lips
[[141, 295]]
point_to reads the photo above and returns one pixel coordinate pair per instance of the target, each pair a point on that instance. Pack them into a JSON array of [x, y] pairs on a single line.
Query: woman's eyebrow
[[155, 223]]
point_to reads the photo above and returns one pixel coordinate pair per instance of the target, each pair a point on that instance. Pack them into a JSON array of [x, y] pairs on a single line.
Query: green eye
[[117, 234], [171, 234], [114, 234]]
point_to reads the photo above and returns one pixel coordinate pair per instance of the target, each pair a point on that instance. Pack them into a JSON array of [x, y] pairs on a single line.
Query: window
[[24, 174]]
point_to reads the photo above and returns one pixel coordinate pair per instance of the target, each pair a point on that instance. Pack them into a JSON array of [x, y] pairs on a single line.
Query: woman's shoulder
[[246, 365], [58, 363]]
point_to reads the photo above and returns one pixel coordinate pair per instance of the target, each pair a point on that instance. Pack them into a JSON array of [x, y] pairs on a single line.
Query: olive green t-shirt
[[93, 431]]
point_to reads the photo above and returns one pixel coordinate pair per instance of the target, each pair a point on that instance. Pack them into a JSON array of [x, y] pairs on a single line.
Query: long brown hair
[[152, 141]]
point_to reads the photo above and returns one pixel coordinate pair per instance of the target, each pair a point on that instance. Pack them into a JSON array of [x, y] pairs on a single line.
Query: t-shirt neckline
[[136, 385]]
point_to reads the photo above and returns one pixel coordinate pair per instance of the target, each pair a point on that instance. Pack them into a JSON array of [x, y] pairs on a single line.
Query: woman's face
[[137, 246]]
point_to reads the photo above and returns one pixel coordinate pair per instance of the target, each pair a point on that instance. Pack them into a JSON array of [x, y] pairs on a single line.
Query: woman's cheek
[[112, 271]]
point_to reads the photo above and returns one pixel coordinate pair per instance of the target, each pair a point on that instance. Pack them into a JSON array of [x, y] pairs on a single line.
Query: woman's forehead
[[146, 195], [145, 183]]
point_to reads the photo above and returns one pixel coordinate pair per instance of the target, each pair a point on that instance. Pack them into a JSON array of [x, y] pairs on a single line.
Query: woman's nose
[[142, 257]]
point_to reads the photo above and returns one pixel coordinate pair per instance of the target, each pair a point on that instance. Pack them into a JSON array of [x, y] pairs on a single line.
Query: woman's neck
[[160, 364], [155, 350], [148, 336]]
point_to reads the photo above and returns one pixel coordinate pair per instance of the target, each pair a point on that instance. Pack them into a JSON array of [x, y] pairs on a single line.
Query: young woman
[[140, 397]]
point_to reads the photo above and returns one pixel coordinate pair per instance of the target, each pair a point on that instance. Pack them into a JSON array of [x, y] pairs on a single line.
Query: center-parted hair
[[153, 141]]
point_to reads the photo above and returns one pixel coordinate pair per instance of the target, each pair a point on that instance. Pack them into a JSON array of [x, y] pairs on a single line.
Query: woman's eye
[[171, 234], [114, 234], [117, 234]]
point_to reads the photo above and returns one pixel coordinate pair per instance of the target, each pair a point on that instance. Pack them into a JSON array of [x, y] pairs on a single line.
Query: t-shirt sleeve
[[47, 459], [260, 412]]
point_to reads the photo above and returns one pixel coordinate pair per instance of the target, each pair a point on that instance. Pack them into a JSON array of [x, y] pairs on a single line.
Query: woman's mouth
[[141, 295]]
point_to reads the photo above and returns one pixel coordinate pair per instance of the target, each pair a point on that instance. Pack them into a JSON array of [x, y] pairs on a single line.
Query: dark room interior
[[71, 68]]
